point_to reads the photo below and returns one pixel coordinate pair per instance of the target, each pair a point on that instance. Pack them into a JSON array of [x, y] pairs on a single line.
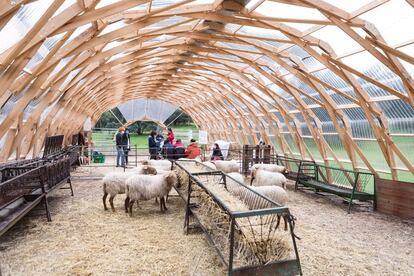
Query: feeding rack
[[246, 230]]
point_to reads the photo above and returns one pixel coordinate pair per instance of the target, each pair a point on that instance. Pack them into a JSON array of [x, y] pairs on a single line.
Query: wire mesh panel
[[183, 169], [243, 225]]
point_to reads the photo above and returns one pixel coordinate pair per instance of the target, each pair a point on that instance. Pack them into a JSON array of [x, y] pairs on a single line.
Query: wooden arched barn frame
[[241, 72]]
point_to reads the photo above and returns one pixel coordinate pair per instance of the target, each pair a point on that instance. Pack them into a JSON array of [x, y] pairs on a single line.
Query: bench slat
[[341, 191], [19, 210]]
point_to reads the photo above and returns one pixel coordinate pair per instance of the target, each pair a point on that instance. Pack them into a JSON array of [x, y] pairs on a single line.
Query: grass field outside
[[370, 149], [101, 138]]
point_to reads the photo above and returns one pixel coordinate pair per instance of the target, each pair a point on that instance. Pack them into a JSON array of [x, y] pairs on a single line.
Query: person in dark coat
[[159, 139], [217, 155], [179, 149], [168, 150], [152, 145], [121, 143], [127, 140]]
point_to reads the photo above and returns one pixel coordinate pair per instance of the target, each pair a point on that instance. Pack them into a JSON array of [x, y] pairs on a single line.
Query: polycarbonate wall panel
[[144, 109]]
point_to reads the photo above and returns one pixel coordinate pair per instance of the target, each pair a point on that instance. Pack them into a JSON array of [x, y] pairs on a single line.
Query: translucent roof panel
[[21, 23], [147, 109], [392, 19], [274, 9]]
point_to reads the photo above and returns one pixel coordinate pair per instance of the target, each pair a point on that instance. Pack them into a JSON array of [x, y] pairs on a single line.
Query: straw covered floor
[[83, 239]]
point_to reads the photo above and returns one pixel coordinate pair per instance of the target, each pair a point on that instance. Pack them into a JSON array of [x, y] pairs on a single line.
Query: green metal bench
[[348, 184]]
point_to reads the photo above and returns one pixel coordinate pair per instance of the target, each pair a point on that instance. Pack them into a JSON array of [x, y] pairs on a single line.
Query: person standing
[[193, 150], [217, 155], [152, 145], [127, 141], [120, 147], [159, 140], [170, 136]]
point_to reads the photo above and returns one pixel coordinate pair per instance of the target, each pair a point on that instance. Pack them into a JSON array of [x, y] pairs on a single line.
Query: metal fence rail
[[237, 233]]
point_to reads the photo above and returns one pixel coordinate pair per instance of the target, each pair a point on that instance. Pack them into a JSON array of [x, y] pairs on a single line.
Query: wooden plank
[[395, 198]]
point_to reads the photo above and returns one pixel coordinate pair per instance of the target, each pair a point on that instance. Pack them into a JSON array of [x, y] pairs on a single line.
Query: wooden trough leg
[[49, 217], [70, 186]]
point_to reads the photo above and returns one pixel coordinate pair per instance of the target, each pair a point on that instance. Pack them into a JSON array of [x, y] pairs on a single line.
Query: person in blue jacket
[[168, 150], [152, 145]]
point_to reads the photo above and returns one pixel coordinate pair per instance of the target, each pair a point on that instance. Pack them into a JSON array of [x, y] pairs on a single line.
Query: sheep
[[275, 193], [265, 178], [227, 166], [267, 167], [210, 165], [146, 169], [164, 165], [114, 183], [145, 187], [198, 158]]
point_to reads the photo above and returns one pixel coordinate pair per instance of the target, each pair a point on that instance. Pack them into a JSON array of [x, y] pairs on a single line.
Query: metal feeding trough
[[246, 230]]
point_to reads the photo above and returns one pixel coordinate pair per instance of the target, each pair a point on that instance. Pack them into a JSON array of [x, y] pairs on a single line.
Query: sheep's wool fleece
[[227, 166], [265, 178], [268, 167], [210, 165], [163, 165], [114, 182], [144, 187], [275, 193], [232, 183]]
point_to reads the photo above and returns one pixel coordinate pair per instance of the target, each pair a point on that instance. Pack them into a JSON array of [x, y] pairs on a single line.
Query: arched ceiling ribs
[[229, 65]]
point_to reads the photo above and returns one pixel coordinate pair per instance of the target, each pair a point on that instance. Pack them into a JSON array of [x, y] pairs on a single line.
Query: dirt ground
[[83, 239]]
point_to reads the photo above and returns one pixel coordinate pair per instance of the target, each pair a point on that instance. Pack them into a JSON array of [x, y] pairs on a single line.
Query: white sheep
[[164, 165], [114, 182], [198, 158], [232, 182], [267, 167], [265, 178], [227, 166], [145, 187], [209, 165], [275, 193]]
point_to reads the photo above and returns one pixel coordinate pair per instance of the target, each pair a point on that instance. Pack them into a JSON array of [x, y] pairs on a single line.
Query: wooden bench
[[21, 194], [344, 183], [23, 188]]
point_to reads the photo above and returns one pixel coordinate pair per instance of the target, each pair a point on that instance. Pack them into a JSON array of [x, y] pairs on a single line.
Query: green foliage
[[183, 119], [142, 127], [108, 120]]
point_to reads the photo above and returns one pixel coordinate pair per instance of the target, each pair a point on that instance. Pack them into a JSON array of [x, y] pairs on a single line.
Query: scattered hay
[[83, 239], [257, 240]]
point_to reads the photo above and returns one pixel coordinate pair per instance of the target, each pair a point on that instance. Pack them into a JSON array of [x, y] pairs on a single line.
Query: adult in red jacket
[[170, 136], [192, 150]]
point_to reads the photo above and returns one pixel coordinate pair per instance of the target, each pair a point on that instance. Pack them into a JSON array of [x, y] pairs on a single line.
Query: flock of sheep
[[155, 179]]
